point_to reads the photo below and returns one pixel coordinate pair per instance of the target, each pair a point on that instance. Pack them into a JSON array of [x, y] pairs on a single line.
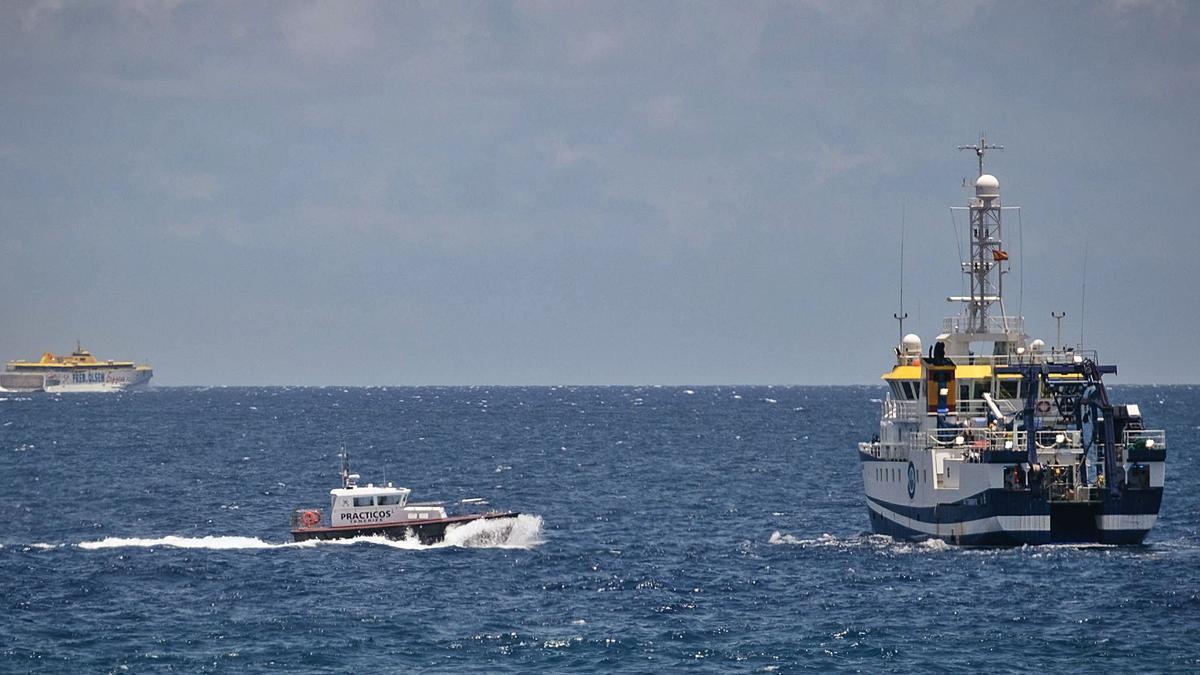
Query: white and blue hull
[[968, 503], [93, 380]]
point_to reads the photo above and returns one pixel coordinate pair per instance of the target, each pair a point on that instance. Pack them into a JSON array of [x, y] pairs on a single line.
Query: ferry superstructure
[[990, 438], [77, 372]]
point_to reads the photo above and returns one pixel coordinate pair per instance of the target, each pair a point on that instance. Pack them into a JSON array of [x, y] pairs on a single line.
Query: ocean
[[706, 529]]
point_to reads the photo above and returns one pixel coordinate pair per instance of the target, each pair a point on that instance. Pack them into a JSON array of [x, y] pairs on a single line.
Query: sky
[[362, 193]]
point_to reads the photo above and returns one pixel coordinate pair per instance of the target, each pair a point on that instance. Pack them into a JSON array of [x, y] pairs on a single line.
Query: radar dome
[[1037, 345], [911, 345], [987, 187]]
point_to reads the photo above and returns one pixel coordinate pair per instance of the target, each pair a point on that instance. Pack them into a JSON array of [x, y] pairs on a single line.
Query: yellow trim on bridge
[[972, 372], [904, 373]]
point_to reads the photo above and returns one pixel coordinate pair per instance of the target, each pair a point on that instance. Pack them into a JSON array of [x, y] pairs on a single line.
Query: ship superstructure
[[78, 371], [990, 438]]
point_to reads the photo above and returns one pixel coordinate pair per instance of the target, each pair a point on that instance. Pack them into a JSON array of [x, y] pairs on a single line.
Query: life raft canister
[[310, 518]]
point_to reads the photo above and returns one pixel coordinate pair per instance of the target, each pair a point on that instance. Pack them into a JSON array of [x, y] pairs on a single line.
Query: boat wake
[[885, 545], [879, 542], [522, 532], [215, 543]]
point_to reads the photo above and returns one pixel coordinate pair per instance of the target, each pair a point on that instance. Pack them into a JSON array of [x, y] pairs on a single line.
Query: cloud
[[596, 45], [828, 162], [192, 185], [664, 111], [328, 29], [564, 155], [38, 11], [224, 227], [1165, 9]]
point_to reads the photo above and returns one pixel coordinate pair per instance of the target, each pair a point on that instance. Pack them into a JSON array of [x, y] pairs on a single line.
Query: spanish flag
[[999, 255]]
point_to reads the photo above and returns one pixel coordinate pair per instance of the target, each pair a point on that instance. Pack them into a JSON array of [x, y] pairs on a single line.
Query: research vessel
[[990, 438], [77, 372], [383, 511]]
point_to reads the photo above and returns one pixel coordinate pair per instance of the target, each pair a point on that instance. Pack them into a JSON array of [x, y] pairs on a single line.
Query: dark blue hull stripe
[[882, 525], [1001, 502], [1005, 517]]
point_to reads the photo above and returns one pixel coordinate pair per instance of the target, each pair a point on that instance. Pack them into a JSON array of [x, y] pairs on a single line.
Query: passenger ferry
[[990, 438], [77, 372], [382, 511]]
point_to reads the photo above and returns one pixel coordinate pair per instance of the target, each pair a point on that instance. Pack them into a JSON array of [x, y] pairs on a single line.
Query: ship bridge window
[[364, 501], [969, 390], [389, 500], [1012, 388], [906, 391]]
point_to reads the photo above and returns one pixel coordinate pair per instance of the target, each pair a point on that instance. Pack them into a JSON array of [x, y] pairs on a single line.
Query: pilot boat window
[[389, 500], [363, 501]]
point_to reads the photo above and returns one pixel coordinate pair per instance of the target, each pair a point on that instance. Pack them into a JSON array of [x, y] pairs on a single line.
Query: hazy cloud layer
[[396, 193]]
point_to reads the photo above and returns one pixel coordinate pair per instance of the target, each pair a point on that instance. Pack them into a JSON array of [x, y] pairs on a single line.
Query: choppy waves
[[692, 531]]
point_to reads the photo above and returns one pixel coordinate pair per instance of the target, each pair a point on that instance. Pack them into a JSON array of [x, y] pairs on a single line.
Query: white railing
[[893, 409], [976, 441], [1140, 436], [991, 324], [972, 407], [895, 452]]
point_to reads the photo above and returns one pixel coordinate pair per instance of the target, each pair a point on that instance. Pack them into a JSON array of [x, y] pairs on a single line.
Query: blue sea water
[[668, 528]]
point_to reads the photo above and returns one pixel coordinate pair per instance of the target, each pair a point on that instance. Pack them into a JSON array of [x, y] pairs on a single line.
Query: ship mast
[[984, 269]]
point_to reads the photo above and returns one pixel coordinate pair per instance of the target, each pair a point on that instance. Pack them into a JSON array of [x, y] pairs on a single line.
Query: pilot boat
[[991, 438], [382, 511]]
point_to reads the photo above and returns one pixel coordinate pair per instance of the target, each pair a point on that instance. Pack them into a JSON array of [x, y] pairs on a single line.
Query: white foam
[[779, 538], [174, 541], [562, 643], [878, 542], [524, 531]]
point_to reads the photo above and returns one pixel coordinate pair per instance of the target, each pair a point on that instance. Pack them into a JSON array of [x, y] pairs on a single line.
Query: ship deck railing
[[1061, 355], [1054, 446], [1139, 437], [991, 324], [965, 409], [1063, 492], [888, 452], [973, 443]]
